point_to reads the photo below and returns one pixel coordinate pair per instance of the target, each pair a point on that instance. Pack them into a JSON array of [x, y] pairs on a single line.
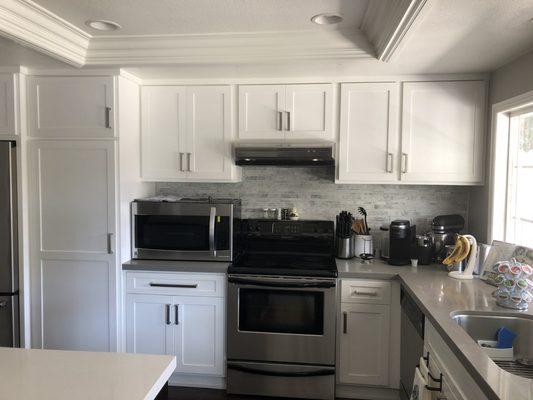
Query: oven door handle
[[281, 284], [212, 214], [300, 374]]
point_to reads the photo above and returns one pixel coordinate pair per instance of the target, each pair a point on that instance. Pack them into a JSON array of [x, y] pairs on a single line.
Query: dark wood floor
[[185, 393]]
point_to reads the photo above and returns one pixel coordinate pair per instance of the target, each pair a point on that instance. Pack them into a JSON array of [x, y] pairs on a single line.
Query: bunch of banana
[[461, 251]]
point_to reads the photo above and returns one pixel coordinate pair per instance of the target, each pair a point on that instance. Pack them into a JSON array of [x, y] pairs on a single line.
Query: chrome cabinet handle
[[288, 120], [176, 314], [173, 285], [371, 294], [167, 314], [344, 322], [404, 163], [108, 117], [110, 243], [280, 120], [389, 163], [181, 161], [189, 156]]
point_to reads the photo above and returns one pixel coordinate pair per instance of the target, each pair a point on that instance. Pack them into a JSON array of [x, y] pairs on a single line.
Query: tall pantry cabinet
[[83, 145]]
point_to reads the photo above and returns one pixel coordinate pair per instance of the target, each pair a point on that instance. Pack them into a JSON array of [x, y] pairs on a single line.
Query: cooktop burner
[[286, 248]]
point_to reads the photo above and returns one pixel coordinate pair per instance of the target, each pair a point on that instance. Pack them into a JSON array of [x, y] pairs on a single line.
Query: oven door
[[281, 319], [181, 231]]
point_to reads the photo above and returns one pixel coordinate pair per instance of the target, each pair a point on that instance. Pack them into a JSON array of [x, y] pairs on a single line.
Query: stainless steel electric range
[[281, 310]]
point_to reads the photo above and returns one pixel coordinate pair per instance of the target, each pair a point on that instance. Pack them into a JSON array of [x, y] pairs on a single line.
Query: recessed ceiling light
[[101, 25], [326, 19]]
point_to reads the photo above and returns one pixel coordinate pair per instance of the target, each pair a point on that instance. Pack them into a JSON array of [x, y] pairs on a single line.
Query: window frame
[[502, 114]]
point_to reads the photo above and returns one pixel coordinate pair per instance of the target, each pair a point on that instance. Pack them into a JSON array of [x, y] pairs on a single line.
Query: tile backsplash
[[314, 193]]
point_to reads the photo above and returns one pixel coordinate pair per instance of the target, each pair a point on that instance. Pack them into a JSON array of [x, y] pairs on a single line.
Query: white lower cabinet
[[189, 326], [457, 384], [364, 344], [368, 349]]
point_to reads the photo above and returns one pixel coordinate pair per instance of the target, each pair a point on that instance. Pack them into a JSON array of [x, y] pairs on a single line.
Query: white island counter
[[53, 374]]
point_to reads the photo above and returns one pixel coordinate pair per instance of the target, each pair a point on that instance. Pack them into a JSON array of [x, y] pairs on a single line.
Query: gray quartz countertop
[[377, 269], [439, 296], [176, 266]]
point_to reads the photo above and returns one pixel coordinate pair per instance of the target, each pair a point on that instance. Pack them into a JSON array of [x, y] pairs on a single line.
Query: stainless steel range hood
[[294, 154]]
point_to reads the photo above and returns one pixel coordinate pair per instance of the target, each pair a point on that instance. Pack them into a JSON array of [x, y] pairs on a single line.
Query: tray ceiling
[[164, 17]]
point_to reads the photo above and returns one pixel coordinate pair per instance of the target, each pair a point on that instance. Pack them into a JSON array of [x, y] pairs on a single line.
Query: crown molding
[[31, 25], [228, 48], [384, 28], [386, 24]]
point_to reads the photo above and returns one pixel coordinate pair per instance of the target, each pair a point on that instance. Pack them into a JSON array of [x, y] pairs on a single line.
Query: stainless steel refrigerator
[[9, 278]]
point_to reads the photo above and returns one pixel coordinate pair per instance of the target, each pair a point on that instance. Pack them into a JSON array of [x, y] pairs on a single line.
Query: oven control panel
[[259, 227]]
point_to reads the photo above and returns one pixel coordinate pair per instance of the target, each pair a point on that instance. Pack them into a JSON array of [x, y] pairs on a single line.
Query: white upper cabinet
[[286, 112], [368, 146], [163, 137], [261, 109], [71, 107], [7, 105], [309, 111], [208, 128], [443, 132], [186, 134]]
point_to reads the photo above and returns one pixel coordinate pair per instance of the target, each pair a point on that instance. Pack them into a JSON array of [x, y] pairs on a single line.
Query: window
[[519, 191]]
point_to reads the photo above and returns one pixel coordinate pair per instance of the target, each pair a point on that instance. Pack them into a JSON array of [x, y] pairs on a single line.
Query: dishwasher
[[412, 342]]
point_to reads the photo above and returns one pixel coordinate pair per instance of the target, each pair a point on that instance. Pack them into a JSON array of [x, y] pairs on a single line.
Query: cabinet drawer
[[365, 291], [174, 283]]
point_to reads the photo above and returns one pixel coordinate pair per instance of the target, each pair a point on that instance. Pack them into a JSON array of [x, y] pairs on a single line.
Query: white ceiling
[[150, 17], [451, 36]]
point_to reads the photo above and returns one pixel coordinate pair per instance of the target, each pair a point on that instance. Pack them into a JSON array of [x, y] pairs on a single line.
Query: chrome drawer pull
[[371, 294], [173, 285]]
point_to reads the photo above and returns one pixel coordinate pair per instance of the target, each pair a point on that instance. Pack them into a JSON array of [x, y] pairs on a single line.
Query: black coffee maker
[[401, 237]]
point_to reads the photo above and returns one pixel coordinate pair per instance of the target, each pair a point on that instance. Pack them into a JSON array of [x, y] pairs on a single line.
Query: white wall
[[506, 82]]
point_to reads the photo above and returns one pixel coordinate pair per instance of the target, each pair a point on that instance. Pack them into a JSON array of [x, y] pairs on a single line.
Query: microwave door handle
[[212, 214]]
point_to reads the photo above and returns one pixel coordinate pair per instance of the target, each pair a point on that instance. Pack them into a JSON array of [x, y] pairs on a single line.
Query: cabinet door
[[443, 132], [7, 105], [164, 140], [261, 110], [73, 241], [149, 324], [368, 147], [208, 128], [200, 335], [364, 344], [71, 107], [309, 112]]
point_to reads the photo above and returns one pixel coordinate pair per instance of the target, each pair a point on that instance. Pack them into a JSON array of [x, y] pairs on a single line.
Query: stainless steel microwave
[[184, 229]]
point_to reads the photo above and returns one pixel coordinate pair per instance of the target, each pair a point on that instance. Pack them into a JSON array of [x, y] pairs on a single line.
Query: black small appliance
[[401, 237]]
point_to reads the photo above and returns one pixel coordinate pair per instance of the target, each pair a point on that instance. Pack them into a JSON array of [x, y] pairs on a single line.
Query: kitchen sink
[[484, 325]]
